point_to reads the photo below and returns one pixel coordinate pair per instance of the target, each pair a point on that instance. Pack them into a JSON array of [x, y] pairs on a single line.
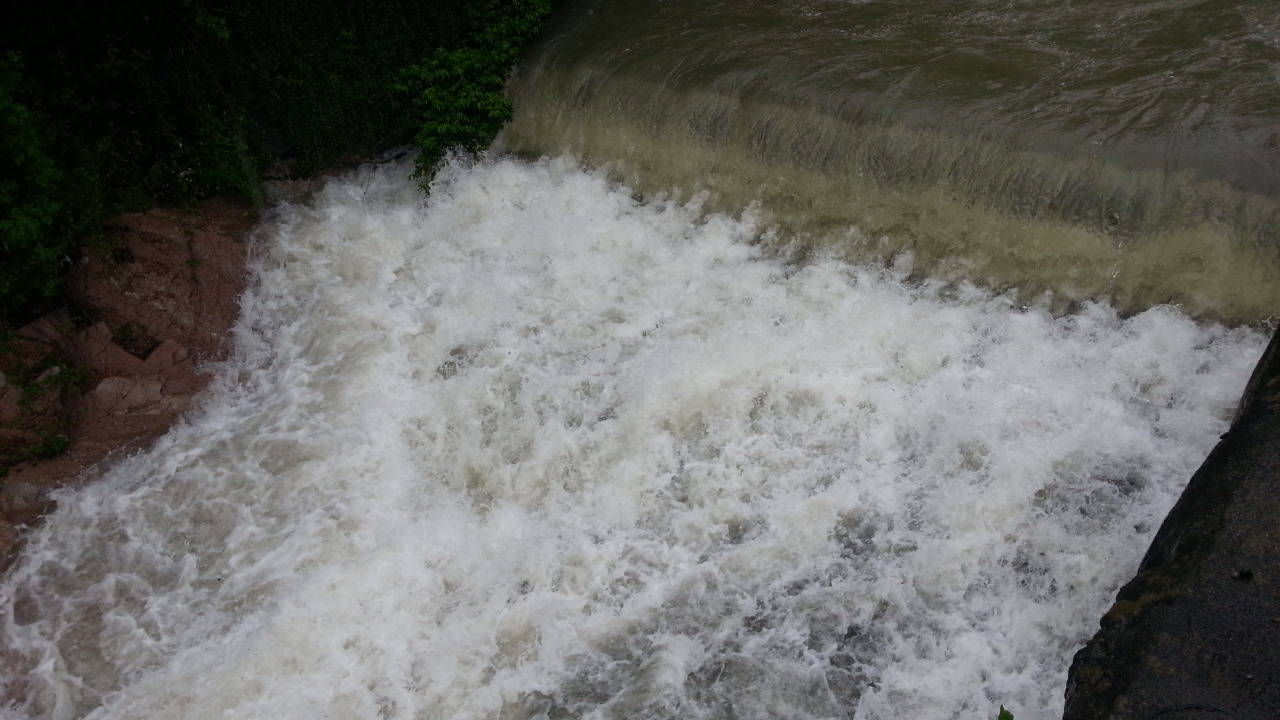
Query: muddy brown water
[[1070, 150]]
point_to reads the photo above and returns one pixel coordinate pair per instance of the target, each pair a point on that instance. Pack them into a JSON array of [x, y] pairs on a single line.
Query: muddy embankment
[[150, 309], [1196, 633]]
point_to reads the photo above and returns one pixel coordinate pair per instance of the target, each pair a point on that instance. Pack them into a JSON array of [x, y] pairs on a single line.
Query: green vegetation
[[115, 107], [458, 92], [1004, 714], [32, 249], [51, 445]]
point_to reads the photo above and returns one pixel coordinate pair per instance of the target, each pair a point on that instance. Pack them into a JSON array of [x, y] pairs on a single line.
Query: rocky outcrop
[[151, 308], [1196, 634]]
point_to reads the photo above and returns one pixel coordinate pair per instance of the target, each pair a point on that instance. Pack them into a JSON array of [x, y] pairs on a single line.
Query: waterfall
[[807, 359], [534, 448]]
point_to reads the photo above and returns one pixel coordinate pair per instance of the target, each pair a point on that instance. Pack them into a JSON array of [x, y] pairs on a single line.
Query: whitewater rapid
[[534, 448]]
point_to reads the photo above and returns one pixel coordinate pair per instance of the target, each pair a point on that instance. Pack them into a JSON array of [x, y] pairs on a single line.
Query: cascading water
[[537, 449], [550, 446], [1085, 149]]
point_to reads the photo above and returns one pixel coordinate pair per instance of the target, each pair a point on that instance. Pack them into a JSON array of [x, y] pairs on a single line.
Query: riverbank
[[148, 311]]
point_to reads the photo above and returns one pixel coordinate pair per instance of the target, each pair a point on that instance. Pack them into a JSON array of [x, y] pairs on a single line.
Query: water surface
[[537, 449]]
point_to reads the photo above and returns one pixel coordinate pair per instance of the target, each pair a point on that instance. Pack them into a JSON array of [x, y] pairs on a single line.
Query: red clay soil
[[150, 312]]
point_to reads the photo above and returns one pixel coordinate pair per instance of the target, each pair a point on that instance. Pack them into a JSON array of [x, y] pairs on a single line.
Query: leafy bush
[[461, 100], [458, 92]]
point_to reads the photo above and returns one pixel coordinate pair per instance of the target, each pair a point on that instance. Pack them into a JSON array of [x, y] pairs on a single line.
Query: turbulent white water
[[534, 449]]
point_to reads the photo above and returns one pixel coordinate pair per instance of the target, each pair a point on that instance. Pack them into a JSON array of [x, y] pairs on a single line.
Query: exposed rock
[[155, 308], [35, 389], [173, 276], [8, 538], [23, 502], [1196, 633], [10, 402]]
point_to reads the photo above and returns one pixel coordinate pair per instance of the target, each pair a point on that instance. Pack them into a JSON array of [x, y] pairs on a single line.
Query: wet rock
[[8, 538], [172, 276], [1196, 633], [10, 402], [22, 503], [35, 389], [153, 308]]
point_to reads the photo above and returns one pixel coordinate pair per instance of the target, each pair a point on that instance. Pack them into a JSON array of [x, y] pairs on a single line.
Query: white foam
[[537, 450]]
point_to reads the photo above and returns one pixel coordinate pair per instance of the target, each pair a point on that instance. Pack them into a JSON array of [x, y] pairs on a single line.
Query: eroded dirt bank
[[151, 308]]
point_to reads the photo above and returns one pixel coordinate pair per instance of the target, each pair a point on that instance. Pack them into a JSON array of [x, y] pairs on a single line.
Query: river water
[[1088, 148], [582, 436]]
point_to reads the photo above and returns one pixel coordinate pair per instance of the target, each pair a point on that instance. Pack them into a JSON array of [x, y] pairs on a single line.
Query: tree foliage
[[29, 203], [457, 92], [114, 107]]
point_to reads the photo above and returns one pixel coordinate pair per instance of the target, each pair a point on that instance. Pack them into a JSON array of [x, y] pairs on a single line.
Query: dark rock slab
[[1196, 634]]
